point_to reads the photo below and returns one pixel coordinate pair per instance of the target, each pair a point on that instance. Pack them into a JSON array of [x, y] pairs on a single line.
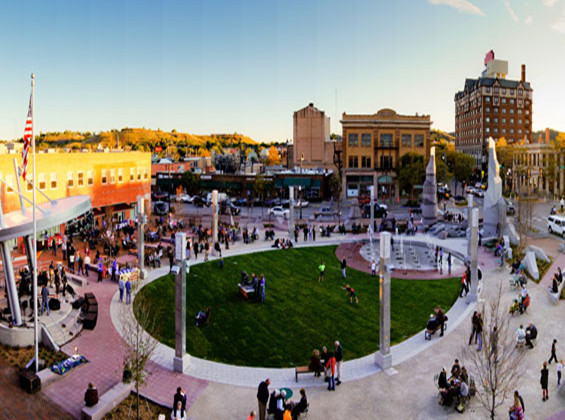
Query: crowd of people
[[328, 362], [458, 387], [276, 403]]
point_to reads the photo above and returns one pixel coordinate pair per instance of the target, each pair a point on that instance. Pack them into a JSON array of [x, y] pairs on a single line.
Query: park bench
[[79, 280], [298, 370], [554, 297], [107, 401]]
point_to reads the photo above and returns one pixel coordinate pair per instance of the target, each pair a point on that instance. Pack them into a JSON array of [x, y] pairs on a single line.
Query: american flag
[[27, 138]]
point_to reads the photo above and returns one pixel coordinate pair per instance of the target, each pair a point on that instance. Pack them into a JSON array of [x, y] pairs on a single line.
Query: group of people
[[556, 281], [437, 321], [457, 387], [282, 244], [257, 282], [525, 336], [328, 362], [276, 403], [521, 303]]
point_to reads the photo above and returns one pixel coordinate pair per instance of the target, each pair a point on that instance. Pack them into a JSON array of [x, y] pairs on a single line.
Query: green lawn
[[299, 313]]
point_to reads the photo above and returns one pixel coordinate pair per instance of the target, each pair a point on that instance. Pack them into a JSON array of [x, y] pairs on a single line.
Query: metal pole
[[35, 321]]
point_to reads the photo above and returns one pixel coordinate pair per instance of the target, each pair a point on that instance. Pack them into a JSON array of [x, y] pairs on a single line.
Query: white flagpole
[[34, 240]]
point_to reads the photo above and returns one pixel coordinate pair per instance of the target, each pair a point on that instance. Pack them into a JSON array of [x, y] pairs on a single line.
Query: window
[[504, 91], [139, 174], [512, 100], [80, 179], [496, 90], [496, 120], [504, 121], [353, 140], [496, 100], [90, 177], [365, 162], [29, 183], [386, 140], [503, 100], [487, 89], [120, 175], [131, 174], [9, 183], [487, 109], [353, 162], [386, 162], [520, 131], [70, 180], [146, 172], [487, 119], [104, 176], [366, 139], [512, 91], [407, 140], [511, 120], [418, 140], [496, 109], [42, 182], [53, 180], [504, 131], [519, 112], [520, 92], [112, 176], [487, 98], [520, 102], [496, 130], [511, 131], [512, 110], [504, 110], [487, 130], [520, 121]]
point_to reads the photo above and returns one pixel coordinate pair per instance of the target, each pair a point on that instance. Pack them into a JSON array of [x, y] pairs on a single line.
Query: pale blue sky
[[212, 66]]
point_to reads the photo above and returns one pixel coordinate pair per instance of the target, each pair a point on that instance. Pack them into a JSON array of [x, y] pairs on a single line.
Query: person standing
[[559, 370], [440, 316], [114, 270], [44, 299], [262, 286], [121, 288], [54, 246], [562, 203], [263, 398], [373, 268], [80, 263], [518, 397], [479, 327], [553, 349], [63, 281], [180, 396], [100, 269], [338, 360], [343, 267], [544, 379], [322, 268], [128, 291], [64, 248], [313, 233], [474, 326], [449, 263], [86, 264], [331, 371]]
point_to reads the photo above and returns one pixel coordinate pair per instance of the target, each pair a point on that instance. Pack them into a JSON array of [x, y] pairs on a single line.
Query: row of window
[[503, 120], [386, 140], [511, 91], [385, 162], [80, 178], [503, 131]]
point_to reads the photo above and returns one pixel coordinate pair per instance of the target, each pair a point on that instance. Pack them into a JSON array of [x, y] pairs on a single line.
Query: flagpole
[[34, 240]]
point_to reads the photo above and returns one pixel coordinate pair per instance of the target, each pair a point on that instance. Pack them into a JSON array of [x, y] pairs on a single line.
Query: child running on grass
[[322, 268], [352, 293]]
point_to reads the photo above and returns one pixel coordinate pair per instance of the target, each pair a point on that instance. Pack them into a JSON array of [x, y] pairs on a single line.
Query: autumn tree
[[273, 157], [411, 172]]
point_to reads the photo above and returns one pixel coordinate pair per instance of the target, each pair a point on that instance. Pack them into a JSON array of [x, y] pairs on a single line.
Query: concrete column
[[181, 359], [141, 237], [561, 176], [383, 358], [372, 213], [291, 212], [473, 253], [215, 211], [11, 287]]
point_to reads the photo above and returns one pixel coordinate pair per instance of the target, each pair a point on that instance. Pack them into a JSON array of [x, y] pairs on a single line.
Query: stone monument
[[473, 255], [354, 214], [494, 207], [140, 237], [291, 212], [215, 211], [383, 357], [429, 200], [180, 362]]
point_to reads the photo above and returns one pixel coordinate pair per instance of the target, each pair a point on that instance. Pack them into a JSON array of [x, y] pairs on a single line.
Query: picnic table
[[246, 290]]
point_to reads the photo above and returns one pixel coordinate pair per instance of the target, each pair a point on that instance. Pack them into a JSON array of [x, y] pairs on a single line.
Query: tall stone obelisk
[[181, 359], [429, 200], [492, 227], [383, 357]]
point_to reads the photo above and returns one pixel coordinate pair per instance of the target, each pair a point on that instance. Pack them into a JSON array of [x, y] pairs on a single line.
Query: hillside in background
[[438, 135], [142, 139]]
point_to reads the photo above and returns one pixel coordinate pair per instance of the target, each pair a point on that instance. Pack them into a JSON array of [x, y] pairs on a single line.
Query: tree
[[138, 331], [273, 157], [497, 368], [190, 181], [462, 167], [335, 188], [411, 172]]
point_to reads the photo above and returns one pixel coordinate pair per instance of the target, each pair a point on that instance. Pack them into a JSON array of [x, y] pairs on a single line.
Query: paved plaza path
[[365, 393]]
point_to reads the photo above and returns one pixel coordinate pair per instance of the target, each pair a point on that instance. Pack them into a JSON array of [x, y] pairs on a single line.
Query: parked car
[[556, 224], [469, 189], [285, 202], [278, 211], [241, 202], [380, 211], [301, 203], [199, 201], [158, 196], [443, 193], [324, 211], [160, 208], [480, 193], [271, 202], [510, 209], [184, 198]]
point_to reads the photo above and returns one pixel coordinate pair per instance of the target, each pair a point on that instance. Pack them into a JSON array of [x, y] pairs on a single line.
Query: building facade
[[312, 146], [113, 180], [492, 106], [373, 145]]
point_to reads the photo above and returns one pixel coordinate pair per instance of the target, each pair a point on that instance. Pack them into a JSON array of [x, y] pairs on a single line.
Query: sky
[[207, 66]]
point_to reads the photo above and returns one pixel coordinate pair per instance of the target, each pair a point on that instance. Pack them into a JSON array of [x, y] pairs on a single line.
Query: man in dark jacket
[[180, 396], [544, 379], [324, 357], [91, 396], [338, 359], [263, 398]]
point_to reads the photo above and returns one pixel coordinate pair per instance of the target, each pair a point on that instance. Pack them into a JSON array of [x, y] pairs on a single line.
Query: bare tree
[[139, 326], [497, 368]]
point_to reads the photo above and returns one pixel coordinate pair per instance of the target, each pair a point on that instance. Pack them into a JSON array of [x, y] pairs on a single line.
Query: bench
[[298, 370], [107, 401], [554, 297], [79, 280], [245, 291]]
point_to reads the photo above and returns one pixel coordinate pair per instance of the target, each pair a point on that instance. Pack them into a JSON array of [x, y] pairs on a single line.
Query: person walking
[[331, 371], [114, 270], [518, 397], [474, 328], [544, 379], [80, 262], [121, 288], [63, 282], [479, 327], [553, 349], [44, 299], [463, 285], [338, 360], [128, 291], [64, 248], [321, 268], [54, 246], [86, 264], [559, 370], [449, 263], [313, 233], [343, 267], [263, 398]]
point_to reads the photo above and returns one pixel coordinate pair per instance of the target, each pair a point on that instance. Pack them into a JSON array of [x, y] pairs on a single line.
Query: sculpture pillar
[[493, 197], [140, 237], [180, 362], [291, 212], [473, 254], [429, 199], [383, 358], [215, 211]]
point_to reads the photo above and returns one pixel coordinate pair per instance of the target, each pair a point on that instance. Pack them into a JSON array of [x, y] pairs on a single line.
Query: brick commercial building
[[373, 145], [492, 106], [311, 129], [112, 179]]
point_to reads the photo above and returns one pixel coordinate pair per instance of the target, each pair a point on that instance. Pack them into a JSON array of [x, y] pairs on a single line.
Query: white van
[[221, 197], [556, 224]]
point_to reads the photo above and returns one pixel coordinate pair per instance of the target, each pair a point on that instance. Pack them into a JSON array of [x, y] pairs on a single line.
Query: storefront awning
[[385, 179]]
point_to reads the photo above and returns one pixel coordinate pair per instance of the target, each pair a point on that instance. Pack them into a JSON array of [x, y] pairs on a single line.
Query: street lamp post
[[338, 164]]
